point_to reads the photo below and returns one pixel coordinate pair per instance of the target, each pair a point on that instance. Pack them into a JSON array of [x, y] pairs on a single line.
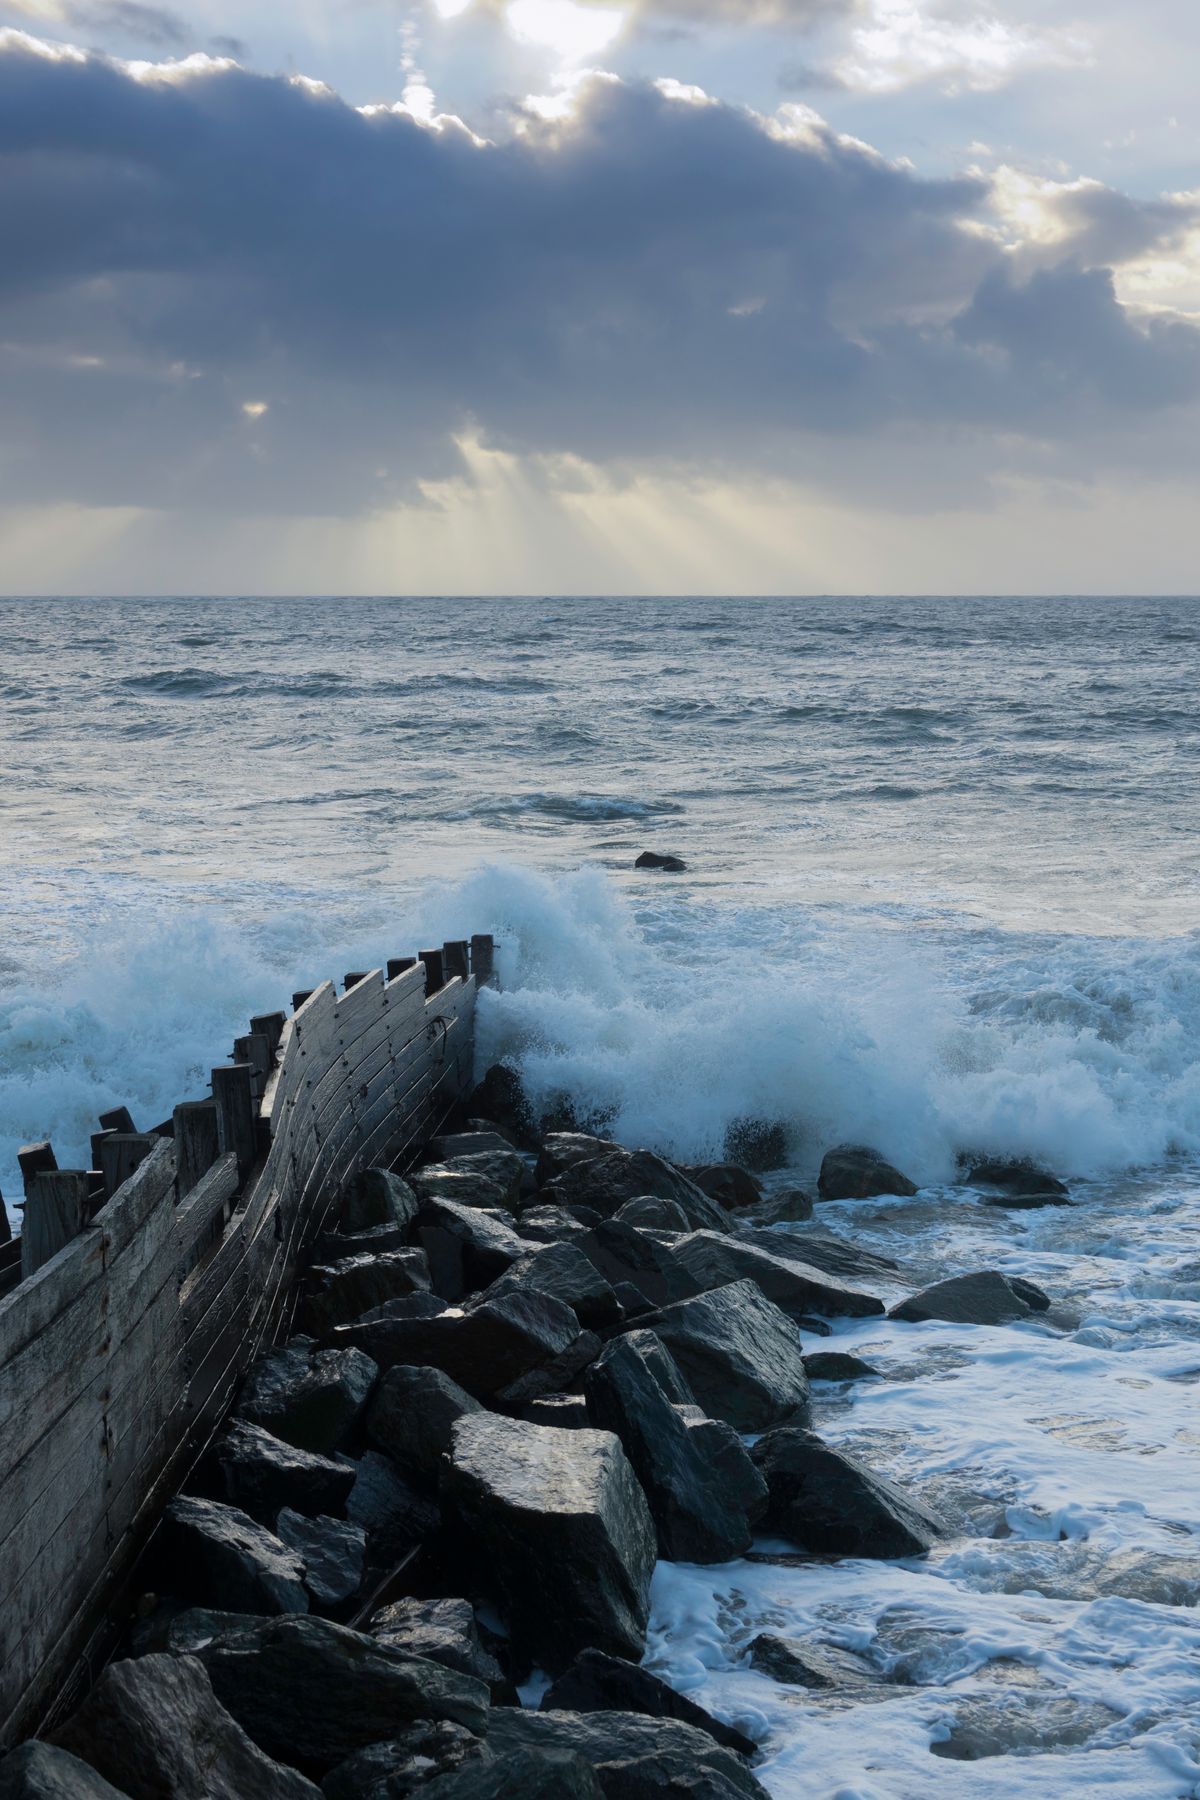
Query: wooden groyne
[[141, 1289]]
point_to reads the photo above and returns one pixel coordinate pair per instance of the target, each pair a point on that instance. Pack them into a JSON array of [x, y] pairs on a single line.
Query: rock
[[1022, 1184], [259, 1473], [695, 1518], [217, 1555], [334, 1246], [827, 1501], [376, 1197], [788, 1206], [467, 1187], [500, 1100], [563, 1530], [467, 1246], [345, 1290], [393, 1513], [483, 1350], [568, 1411], [598, 1683], [984, 1298], [557, 1376], [739, 1355], [412, 1415], [557, 1774], [635, 1757], [443, 1631], [38, 1771], [654, 859], [856, 1172], [471, 1142], [563, 1149], [728, 1183], [565, 1272], [662, 1366], [795, 1287], [648, 1214], [312, 1399], [334, 1554], [757, 1144], [408, 1306], [634, 1303], [836, 1365], [623, 1253], [408, 1761], [805, 1664], [503, 1167], [556, 1224], [311, 1692], [726, 1455], [606, 1182], [154, 1728], [823, 1251]]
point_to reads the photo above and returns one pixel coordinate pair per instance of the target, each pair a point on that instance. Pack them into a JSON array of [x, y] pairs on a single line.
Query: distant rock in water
[[1022, 1184], [856, 1172], [670, 865], [985, 1298]]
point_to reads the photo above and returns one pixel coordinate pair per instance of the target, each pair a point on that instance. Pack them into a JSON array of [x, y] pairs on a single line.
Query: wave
[[573, 808]]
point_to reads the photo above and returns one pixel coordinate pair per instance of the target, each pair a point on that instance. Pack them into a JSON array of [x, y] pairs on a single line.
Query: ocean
[[942, 895]]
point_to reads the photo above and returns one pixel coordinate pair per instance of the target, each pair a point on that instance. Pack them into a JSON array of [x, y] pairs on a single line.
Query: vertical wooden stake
[[118, 1118], [234, 1098], [120, 1153], [483, 959], [197, 1142], [55, 1212], [270, 1026], [435, 980], [456, 960], [400, 965]]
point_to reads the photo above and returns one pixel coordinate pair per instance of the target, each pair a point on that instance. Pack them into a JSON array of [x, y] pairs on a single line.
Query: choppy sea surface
[[943, 895]]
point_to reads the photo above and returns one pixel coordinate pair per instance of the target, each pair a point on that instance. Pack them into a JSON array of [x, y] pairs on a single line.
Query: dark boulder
[[405, 1763], [260, 1473], [376, 1197], [154, 1728], [565, 1272], [662, 1366], [333, 1552], [821, 1250], [333, 1246], [500, 1099], [568, 1411], [556, 1224], [836, 1365], [856, 1172], [563, 1149], [698, 1516], [827, 1501], [443, 1631], [606, 1182], [1023, 1185], [312, 1399], [503, 1169], [562, 1529], [408, 1306], [345, 1290], [218, 1556], [729, 1184], [38, 1771], [634, 1303], [728, 1459], [468, 1187], [394, 1514], [635, 1757], [649, 1214], [465, 1143], [623, 1253], [412, 1415], [803, 1663], [557, 1774], [467, 1246], [759, 1145], [656, 859], [787, 1206], [560, 1375], [485, 1349], [739, 1354], [310, 1692], [598, 1683], [984, 1298], [795, 1287]]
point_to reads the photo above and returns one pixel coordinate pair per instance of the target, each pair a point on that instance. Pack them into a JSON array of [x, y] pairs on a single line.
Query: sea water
[[941, 896]]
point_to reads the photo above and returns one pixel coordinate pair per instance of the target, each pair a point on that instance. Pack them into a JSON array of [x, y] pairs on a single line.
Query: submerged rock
[[260, 1474], [803, 1663], [219, 1556], [836, 1365], [654, 859], [856, 1172], [827, 1501], [795, 1287], [310, 1398], [1022, 1184], [986, 1297], [561, 1529], [739, 1354], [635, 1757], [38, 1771], [598, 1683]]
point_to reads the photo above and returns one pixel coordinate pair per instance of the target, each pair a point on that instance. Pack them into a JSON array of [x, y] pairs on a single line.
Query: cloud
[[232, 292], [156, 26], [959, 45]]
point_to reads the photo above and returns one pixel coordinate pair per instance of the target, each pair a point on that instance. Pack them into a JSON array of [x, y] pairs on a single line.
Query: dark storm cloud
[[650, 280]]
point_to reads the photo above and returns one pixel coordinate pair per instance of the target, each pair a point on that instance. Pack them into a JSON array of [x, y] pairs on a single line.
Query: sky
[[599, 296]]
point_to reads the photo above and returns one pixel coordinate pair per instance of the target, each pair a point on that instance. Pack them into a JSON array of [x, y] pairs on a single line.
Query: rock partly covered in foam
[[827, 1501], [598, 1683], [802, 1663], [986, 1297], [1020, 1184], [856, 1172]]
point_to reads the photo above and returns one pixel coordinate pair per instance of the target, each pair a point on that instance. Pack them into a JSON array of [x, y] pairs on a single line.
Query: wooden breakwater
[[140, 1290]]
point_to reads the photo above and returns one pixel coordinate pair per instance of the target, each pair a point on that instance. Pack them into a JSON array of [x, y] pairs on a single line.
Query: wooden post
[[233, 1096], [483, 959], [400, 965], [55, 1212], [197, 1142], [118, 1118], [120, 1154], [270, 1026], [353, 979], [435, 980], [456, 960], [299, 999], [255, 1052], [35, 1159]]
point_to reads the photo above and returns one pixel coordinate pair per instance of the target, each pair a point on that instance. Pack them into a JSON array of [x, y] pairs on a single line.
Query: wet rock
[[217, 1555], [729, 1184], [606, 1182], [558, 1376], [634, 1757], [634, 1303], [483, 1350], [759, 1145], [38, 1771], [469, 1187], [500, 1100], [310, 1398], [821, 1250], [1007, 1725], [406, 1763], [655, 859], [394, 1514], [408, 1306], [563, 1149], [739, 1354], [697, 1516], [559, 1521], [335, 1246], [790, 1206], [154, 1728], [662, 1365], [467, 1246], [466, 1143], [568, 1411], [803, 1663], [984, 1298], [648, 1214], [725, 1454], [333, 1552], [502, 1168], [347, 1289], [556, 1224], [444, 1631], [556, 1774], [856, 1172], [376, 1197], [598, 1683], [412, 1415], [623, 1253], [1022, 1184], [827, 1501], [795, 1287], [565, 1272], [836, 1365], [259, 1473], [311, 1693]]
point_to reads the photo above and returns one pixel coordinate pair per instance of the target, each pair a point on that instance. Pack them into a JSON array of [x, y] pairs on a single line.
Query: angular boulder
[[376, 1197], [821, 1250], [795, 1287], [556, 1224], [739, 1354], [606, 1182], [698, 1516], [1021, 1184], [634, 1757], [468, 1247], [827, 1501], [259, 1473], [443, 1631], [563, 1149], [154, 1728], [407, 1761], [333, 1552], [500, 1099], [504, 1167], [556, 1774], [412, 1415], [467, 1187], [484, 1350], [727, 1457], [310, 1398], [728, 1183], [836, 1365], [856, 1172], [333, 1246], [345, 1290], [568, 1411], [466, 1143], [802, 1663], [648, 1214], [558, 1376], [40, 1771], [394, 1514], [565, 1272], [788, 1206], [218, 1556], [560, 1525], [598, 1683], [623, 1253], [984, 1298]]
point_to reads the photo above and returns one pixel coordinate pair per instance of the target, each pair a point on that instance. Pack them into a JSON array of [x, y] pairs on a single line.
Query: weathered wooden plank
[[56, 1210], [197, 1142], [233, 1094]]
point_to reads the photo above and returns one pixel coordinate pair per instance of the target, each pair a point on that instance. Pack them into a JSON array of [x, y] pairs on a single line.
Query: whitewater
[[941, 897]]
